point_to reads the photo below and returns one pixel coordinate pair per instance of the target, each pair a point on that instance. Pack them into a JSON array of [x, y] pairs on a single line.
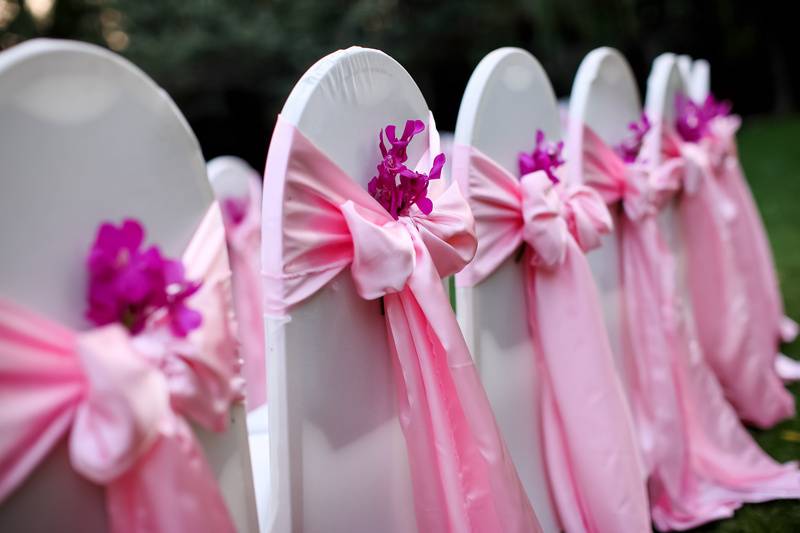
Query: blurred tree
[[231, 64]]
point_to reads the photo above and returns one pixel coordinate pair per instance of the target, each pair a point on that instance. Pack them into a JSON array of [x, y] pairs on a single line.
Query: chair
[[605, 98], [238, 190], [88, 137], [338, 456], [531, 305], [506, 99]]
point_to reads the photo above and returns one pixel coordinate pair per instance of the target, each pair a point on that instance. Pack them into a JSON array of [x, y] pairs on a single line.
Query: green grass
[[770, 154]]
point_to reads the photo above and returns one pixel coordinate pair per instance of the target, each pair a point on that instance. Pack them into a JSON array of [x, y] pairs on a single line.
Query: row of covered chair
[[617, 317]]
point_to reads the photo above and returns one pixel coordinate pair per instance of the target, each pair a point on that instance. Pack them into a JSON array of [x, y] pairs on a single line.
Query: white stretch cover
[[337, 452], [663, 84], [506, 100], [230, 178], [85, 137], [604, 98]]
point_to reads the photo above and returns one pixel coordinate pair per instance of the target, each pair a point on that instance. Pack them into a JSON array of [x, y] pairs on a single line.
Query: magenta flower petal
[[546, 156], [128, 284], [436, 169], [425, 205], [526, 163], [396, 187], [173, 271], [413, 127], [188, 289], [390, 134], [382, 146], [108, 240], [407, 173], [689, 122], [114, 244], [234, 209], [100, 262], [692, 120], [103, 304], [183, 320], [131, 234], [630, 147], [133, 285]]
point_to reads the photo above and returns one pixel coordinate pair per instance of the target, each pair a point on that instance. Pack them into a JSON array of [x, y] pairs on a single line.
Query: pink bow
[[554, 214], [384, 254], [322, 222], [697, 163], [123, 401], [643, 186], [600, 487], [531, 210]]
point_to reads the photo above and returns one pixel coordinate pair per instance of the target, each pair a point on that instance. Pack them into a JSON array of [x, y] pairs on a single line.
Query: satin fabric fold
[[702, 462], [724, 156], [598, 484], [737, 333], [124, 402], [754, 254], [319, 222], [244, 251]]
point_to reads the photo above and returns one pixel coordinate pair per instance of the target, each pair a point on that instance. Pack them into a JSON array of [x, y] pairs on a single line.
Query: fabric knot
[[553, 212], [384, 254]]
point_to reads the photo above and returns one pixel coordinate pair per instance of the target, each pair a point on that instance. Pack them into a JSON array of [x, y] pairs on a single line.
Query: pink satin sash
[[597, 482], [244, 250], [737, 331], [723, 153], [754, 254], [124, 402], [318, 221], [703, 464]]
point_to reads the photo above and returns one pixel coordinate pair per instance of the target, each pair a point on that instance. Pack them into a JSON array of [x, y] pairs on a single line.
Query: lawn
[[771, 157]]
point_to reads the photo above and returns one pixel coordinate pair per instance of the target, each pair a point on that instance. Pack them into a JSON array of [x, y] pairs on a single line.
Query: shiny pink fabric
[[702, 462], [124, 402], [725, 162], [244, 250], [318, 222], [737, 327], [754, 255], [598, 483]]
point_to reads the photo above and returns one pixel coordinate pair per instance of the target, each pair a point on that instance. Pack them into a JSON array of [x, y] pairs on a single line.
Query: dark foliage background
[[230, 64]]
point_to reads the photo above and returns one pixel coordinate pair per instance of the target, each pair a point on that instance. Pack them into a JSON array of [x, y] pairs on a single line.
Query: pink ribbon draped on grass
[[123, 402], [702, 462], [462, 475], [244, 249], [598, 482]]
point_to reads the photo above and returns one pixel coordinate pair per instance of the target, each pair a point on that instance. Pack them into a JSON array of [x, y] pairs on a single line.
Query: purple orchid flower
[[689, 121], [692, 119], [234, 209], [396, 187], [545, 156], [128, 284], [629, 148], [183, 319], [400, 146]]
